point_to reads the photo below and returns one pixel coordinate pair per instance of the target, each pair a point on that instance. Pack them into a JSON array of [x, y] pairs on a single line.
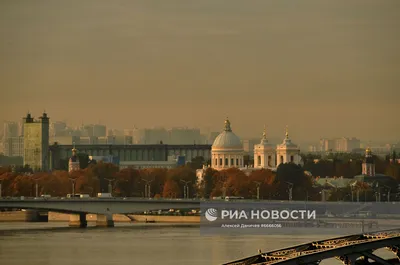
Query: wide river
[[57, 244]]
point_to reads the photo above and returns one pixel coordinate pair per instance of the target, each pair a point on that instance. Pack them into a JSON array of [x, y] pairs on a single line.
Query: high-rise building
[[212, 136], [11, 129], [99, 130], [58, 128], [248, 145], [13, 146], [327, 145], [36, 142], [343, 144], [184, 136]]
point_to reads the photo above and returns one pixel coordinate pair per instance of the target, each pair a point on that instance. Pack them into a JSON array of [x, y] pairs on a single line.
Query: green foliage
[[83, 160], [197, 162], [208, 182], [11, 160], [393, 170]]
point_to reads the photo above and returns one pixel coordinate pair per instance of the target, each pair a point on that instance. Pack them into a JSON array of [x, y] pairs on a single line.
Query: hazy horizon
[[324, 68]]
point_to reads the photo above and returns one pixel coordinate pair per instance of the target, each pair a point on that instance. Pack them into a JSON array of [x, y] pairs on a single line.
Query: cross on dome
[[227, 126], [264, 136], [287, 133], [368, 151]]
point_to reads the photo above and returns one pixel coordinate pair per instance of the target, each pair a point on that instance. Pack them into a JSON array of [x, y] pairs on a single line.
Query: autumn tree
[[182, 175], [23, 186], [7, 181], [393, 170], [128, 183], [103, 171], [86, 181], [263, 178], [237, 183], [5, 169], [171, 189]]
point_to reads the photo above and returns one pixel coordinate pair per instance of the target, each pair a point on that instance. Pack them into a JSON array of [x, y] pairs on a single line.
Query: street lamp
[[291, 190], [36, 188], [258, 188], [147, 188], [110, 187], [388, 194], [73, 186], [378, 194], [352, 186], [185, 189]]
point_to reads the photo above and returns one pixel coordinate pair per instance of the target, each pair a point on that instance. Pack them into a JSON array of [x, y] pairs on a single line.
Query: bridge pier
[[77, 220], [105, 220]]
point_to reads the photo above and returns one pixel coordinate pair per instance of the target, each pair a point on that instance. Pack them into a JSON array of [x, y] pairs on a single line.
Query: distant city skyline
[[204, 131], [324, 68]]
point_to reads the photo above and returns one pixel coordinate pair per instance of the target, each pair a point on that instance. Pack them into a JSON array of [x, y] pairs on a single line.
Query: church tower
[[264, 153], [368, 166], [73, 163], [288, 152]]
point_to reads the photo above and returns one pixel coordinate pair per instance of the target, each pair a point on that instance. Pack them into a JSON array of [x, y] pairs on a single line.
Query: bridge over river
[[106, 207], [350, 250], [103, 207]]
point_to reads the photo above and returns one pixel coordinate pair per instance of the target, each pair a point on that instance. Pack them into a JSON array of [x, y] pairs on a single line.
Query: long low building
[[140, 152]]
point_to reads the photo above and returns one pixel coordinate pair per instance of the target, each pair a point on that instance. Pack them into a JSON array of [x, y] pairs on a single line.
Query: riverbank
[[33, 216]]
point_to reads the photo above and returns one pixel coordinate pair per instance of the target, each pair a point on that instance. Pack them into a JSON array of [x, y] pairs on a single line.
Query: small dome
[[227, 139], [264, 141], [287, 143], [74, 157]]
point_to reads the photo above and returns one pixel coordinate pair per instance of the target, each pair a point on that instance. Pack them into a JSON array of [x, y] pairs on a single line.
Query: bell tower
[[264, 153], [368, 166]]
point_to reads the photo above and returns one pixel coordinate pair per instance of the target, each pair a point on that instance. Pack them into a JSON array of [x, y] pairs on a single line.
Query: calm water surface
[[56, 244]]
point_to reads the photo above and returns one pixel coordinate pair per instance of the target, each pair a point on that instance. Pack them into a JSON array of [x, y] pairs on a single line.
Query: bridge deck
[[347, 249]]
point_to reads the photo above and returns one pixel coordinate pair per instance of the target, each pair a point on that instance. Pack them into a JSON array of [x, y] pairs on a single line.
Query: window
[[291, 159], [281, 158], [232, 163], [237, 161], [269, 161], [259, 160], [226, 161], [220, 161], [216, 161]]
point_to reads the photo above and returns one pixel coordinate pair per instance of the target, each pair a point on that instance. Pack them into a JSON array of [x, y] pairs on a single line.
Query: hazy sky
[[325, 68]]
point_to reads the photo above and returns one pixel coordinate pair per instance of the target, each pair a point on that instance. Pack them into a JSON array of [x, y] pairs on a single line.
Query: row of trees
[[348, 165], [171, 183]]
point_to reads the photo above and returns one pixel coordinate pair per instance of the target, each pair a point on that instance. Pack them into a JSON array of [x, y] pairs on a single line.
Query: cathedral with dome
[[227, 152], [227, 149]]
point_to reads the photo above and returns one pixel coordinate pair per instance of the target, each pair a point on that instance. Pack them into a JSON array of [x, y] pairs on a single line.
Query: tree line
[[170, 183]]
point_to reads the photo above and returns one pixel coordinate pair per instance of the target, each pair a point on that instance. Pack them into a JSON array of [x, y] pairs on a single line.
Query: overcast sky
[[324, 68]]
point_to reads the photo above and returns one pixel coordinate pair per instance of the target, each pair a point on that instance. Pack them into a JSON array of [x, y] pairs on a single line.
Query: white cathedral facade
[[227, 152]]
